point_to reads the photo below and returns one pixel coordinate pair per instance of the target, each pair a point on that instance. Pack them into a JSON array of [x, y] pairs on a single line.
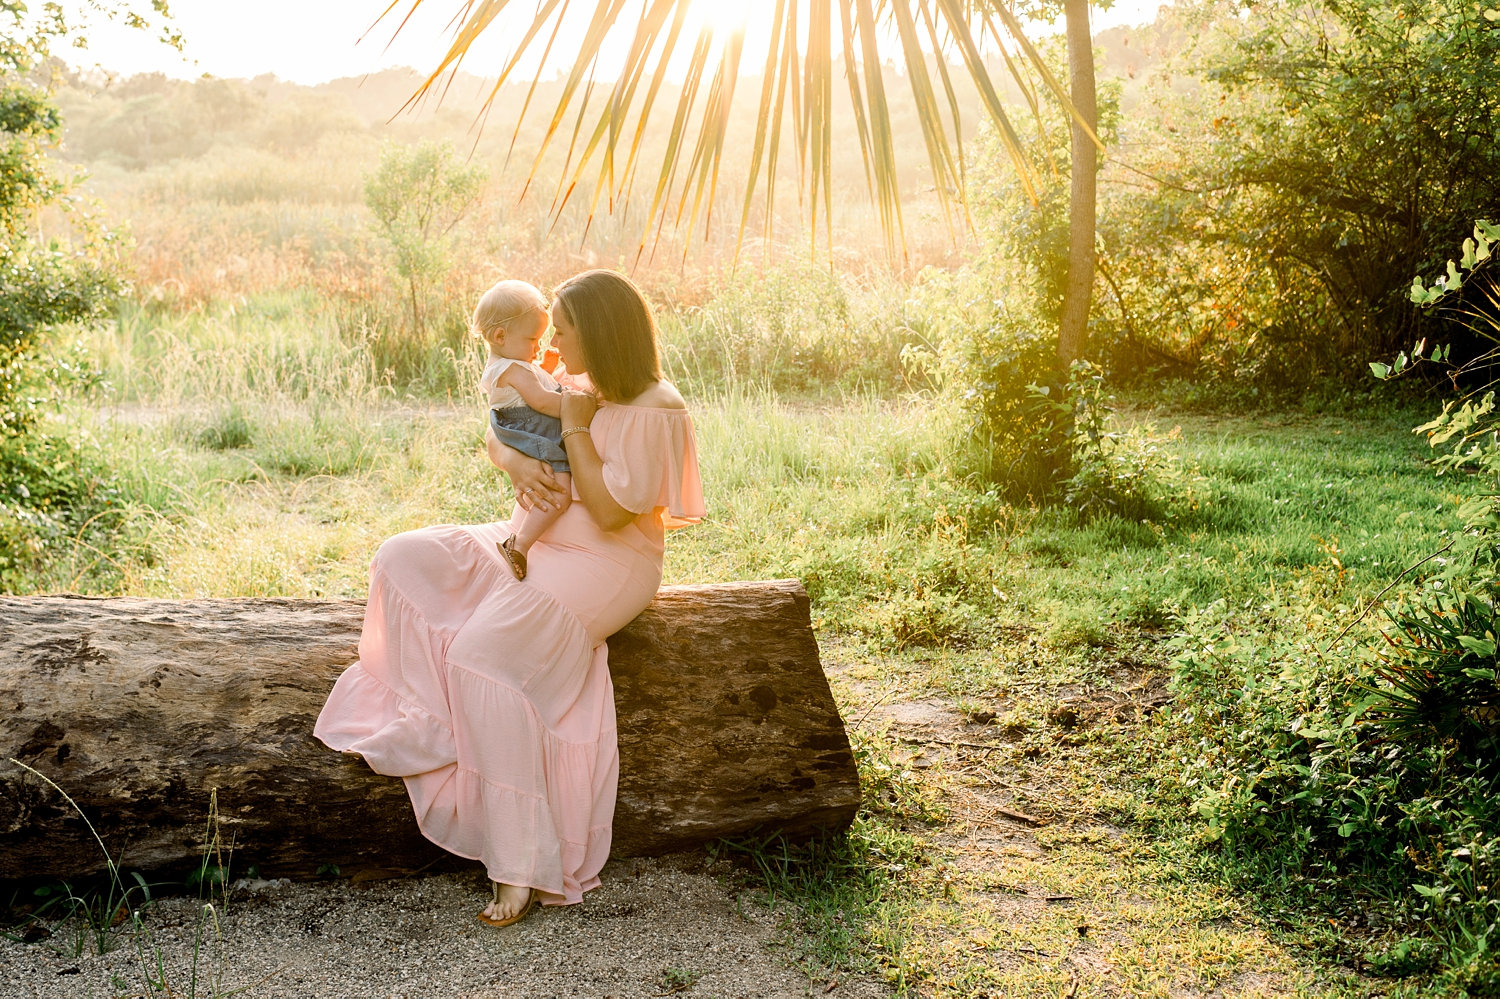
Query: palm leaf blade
[[801, 74]]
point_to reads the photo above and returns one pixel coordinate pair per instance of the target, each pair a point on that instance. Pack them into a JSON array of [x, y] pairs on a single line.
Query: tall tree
[[1072, 334], [799, 72]]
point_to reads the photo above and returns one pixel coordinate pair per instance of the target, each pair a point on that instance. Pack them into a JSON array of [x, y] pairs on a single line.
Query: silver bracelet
[[574, 430]]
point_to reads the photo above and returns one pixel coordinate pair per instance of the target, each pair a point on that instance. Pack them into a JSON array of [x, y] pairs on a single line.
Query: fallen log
[[145, 711]]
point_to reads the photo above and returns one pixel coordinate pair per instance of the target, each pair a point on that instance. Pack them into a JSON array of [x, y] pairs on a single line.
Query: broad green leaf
[[1478, 646]]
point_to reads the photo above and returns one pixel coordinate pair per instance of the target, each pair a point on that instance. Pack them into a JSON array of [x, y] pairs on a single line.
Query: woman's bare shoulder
[[662, 395]]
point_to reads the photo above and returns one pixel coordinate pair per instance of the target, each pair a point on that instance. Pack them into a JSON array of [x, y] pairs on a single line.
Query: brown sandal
[[531, 901], [516, 559]]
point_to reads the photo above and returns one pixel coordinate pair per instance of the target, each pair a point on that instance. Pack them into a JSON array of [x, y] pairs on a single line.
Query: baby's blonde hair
[[505, 302]]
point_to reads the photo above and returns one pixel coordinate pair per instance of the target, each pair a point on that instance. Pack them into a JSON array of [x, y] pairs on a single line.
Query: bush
[[1285, 176], [1002, 373], [48, 489], [1316, 797], [1368, 777], [1038, 435], [418, 195], [59, 504]]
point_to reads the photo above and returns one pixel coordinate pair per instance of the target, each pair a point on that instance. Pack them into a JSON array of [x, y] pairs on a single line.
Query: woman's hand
[[578, 408], [536, 487]]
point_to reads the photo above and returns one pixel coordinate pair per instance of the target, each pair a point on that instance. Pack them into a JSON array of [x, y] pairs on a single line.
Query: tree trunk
[[1073, 328], [142, 710], [416, 312]]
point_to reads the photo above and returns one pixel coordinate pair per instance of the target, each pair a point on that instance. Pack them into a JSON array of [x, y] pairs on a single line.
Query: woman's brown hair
[[616, 332]]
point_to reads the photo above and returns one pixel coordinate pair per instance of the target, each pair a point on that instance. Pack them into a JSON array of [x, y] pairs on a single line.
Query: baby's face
[[523, 339]]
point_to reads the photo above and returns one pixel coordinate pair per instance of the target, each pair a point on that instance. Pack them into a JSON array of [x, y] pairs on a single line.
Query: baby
[[524, 400]]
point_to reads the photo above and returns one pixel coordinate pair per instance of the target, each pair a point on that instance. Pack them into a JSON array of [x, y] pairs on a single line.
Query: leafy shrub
[[50, 488], [418, 195], [1286, 174], [1370, 774], [1129, 473], [57, 500], [1003, 375], [1437, 686], [1046, 437], [1321, 803]]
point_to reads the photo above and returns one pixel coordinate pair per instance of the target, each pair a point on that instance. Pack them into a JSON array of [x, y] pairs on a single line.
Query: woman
[[492, 696]]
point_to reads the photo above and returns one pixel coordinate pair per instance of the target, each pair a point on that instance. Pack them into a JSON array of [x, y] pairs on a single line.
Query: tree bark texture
[[142, 711], [1078, 291]]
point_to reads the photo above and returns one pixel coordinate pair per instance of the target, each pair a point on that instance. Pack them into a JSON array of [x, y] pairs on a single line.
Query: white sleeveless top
[[508, 396]]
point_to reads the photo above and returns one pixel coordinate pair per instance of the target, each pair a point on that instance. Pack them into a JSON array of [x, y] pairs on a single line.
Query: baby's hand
[[549, 359]]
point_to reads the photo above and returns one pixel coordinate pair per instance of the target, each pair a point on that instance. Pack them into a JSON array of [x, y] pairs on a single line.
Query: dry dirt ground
[[670, 926]]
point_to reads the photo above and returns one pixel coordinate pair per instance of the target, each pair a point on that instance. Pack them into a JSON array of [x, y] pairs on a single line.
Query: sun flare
[[719, 16]]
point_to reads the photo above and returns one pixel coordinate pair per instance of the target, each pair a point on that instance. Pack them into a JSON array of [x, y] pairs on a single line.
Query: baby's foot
[[510, 904], [513, 556]]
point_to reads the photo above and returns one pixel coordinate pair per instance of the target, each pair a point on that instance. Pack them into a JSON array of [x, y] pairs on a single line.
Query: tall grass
[[275, 348], [799, 330]]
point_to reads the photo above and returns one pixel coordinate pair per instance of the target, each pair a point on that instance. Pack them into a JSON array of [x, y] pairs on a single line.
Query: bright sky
[[313, 41]]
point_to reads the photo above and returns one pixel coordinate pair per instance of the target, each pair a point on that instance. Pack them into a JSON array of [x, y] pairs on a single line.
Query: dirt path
[[1036, 888], [655, 928]]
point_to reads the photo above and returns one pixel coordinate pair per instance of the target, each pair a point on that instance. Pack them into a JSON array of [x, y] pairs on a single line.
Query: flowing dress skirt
[[491, 697]]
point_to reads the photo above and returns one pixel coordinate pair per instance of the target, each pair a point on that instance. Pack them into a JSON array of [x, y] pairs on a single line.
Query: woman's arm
[[588, 468], [533, 480], [536, 395]]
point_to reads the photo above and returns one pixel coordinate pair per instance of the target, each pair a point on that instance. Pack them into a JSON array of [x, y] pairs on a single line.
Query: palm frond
[[1058, 90], [797, 79], [769, 97]]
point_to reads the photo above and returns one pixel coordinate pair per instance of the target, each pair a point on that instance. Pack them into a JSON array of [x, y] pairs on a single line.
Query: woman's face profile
[[565, 339]]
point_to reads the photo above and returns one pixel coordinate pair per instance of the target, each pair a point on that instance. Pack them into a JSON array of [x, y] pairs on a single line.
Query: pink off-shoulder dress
[[491, 697]]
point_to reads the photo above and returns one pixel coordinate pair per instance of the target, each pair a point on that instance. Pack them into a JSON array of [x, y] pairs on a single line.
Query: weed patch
[[113, 911]]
